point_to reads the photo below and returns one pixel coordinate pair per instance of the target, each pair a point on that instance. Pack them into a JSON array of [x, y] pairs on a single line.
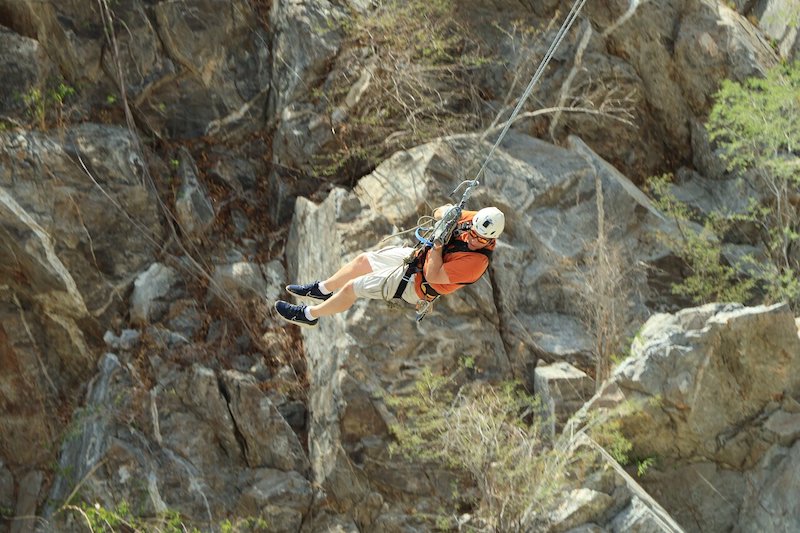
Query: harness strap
[[410, 271]]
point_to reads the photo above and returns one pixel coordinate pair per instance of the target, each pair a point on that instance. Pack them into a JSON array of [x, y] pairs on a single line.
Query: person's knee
[[349, 287], [362, 262]]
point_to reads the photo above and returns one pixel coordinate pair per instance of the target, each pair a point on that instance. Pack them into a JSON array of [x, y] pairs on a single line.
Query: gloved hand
[[441, 210]]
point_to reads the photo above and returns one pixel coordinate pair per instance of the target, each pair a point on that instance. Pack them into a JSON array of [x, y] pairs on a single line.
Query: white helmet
[[489, 222]]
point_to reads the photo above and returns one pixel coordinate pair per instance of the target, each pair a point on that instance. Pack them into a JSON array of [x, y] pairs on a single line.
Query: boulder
[[562, 389], [717, 378], [193, 206], [23, 68], [711, 393], [268, 440], [148, 300], [241, 280]]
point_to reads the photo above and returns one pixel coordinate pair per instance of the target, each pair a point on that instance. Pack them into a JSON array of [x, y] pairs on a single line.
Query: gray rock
[[166, 338], [707, 43], [27, 502], [192, 205], [778, 20], [241, 280], [185, 318], [127, 340], [698, 495], [770, 502], [785, 426], [24, 67], [305, 38], [268, 440], [563, 389], [717, 375], [559, 337], [272, 493], [635, 518], [295, 414], [239, 174], [222, 70], [331, 523], [149, 290], [88, 441], [63, 235], [578, 507], [240, 222], [275, 277], [704, 382]]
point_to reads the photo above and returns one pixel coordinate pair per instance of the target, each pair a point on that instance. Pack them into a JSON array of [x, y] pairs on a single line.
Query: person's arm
[[434, 267]]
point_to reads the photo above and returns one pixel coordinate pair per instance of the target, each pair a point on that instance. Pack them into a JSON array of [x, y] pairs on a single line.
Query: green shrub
[[492, 434], [756, 127], [710, 278]]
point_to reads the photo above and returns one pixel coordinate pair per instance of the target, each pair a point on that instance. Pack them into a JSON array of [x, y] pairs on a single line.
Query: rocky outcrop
[[186, 75], [205, 444], [778, 20], [562, 389], [77, 223], [671, 55], [713, 392], [23, 67]]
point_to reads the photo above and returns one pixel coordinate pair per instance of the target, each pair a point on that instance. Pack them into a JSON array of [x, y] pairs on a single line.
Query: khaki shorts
[[388, 266]]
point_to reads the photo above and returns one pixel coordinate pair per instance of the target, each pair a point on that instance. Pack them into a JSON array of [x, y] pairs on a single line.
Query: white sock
[[307, 311], [322, 289]]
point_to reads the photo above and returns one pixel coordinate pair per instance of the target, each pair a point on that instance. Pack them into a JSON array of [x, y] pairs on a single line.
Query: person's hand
[[439, 212]]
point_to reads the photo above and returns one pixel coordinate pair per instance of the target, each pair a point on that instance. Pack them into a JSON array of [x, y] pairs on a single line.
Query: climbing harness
[[416, 263], [443, 229]]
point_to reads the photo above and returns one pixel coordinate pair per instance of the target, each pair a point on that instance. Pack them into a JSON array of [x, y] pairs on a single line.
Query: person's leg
[[374, 284], [355, 268], [340, 301], [371, 284]]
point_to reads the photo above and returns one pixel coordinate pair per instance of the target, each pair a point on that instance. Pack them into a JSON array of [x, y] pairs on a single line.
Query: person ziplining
[[416, 275]]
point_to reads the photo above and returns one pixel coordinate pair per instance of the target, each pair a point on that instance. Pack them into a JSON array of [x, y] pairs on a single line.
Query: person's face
[[476, 242]]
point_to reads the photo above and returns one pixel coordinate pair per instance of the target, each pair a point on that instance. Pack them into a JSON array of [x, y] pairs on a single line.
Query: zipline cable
[[444, 228], [562, 32]]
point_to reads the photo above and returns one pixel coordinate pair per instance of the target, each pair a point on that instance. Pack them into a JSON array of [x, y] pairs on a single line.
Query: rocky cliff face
[[715, 391], [157, 192]]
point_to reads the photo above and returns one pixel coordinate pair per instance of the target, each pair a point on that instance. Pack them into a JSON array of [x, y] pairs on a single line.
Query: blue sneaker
[[309, 291], [296, 314]]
